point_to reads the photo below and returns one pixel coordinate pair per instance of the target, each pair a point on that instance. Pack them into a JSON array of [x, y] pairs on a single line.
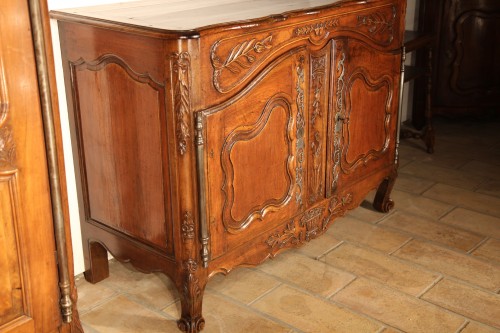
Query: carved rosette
[[241, 57], [339, 117], [379, 24], [180, 63], [318, 72], [299, 168]]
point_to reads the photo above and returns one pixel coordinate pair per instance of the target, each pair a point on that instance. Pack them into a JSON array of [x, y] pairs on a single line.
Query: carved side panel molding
[[339, 114], [300, 131]]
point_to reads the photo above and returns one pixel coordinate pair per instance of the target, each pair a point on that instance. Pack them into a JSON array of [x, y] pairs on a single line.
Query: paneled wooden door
[[29, 278]]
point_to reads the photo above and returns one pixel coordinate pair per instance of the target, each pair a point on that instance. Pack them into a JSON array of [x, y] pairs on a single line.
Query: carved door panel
[[362, 123], [468, 71], [255, 153]]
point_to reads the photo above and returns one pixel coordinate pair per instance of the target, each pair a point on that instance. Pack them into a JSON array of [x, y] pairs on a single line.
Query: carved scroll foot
[[191, 294], [96, 264], [382, 202]]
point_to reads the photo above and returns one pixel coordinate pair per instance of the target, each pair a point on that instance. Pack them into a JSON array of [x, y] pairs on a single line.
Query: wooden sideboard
[[211, 135]]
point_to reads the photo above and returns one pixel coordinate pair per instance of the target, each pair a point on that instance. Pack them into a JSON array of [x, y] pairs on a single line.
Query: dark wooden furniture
[[467, 70], [420, 41], [36, 268], [215, 135]]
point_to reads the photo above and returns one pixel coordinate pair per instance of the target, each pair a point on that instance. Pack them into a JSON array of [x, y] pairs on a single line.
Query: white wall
[[68, 153]]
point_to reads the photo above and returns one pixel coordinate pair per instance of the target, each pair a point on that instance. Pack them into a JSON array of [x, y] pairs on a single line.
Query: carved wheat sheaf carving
[[241, 57], [318, 72], [180, 63], [379, 23], [339, 116], [299, 168], [310, 225], [247, 133]]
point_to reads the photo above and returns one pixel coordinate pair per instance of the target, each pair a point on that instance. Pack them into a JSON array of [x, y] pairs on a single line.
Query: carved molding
[[7, 145], [371, 85], [241, 57], [300, 145], [339, 116], [246, 133], [180, 65], [378, 23], [187, 227], [318, 85]]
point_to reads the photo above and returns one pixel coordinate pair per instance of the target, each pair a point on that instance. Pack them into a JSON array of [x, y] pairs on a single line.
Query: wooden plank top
[[193, 15]]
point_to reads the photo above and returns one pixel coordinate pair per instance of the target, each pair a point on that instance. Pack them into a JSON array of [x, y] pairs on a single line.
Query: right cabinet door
[[363, 112]]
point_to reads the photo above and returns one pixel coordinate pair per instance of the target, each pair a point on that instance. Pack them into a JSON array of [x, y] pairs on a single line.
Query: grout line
[[344, 287], [478, 245], [265, 294], [430, 286], [401, 246], [464, 325]]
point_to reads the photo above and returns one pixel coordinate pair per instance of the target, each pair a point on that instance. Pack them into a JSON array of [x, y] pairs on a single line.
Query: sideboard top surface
[[196, 15]]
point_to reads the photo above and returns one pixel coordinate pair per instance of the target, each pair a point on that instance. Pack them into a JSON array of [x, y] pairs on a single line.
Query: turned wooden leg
[[191, 295], [382, 202], [96, 262]]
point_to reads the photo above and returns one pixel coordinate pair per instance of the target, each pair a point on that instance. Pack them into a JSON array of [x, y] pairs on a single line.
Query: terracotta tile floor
[[431, 265]]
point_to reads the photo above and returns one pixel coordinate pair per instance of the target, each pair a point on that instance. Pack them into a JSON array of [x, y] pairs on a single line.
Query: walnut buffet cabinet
[[215, 134]]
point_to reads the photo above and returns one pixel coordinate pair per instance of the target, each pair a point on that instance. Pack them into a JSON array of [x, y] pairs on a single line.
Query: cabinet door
[[255, 153], [468, 71], [364, 112]]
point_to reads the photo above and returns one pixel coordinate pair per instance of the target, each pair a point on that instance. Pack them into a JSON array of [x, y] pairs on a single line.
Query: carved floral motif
[[317, 32], [299, 168], [311, 222], [285, 237], [379, 23], [187, 227], [337, 207], [242, 56], [181, 63]]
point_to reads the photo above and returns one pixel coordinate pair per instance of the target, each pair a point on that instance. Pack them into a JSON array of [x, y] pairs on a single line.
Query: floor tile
[[311, 314], [448, 262], [409, 183], [465, 300], [467, 199], [120, 315], [397, 309], [320, 245], [481, 168], [382, 239], [482, 224], [366, 212], [382, 268], [490, 251], [419, 205], [91, 295], [437, 232], [155, 290], [224, 316], [309, 274], [459, 178], [491, 187], [243, 284], [474, 327]]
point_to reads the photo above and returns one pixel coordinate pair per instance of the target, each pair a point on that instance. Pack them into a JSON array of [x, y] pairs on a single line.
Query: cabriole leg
[[191, 295], [382, 202]]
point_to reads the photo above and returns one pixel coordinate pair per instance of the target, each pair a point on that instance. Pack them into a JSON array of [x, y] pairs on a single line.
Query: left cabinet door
[[29, 292], [255, 153]]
